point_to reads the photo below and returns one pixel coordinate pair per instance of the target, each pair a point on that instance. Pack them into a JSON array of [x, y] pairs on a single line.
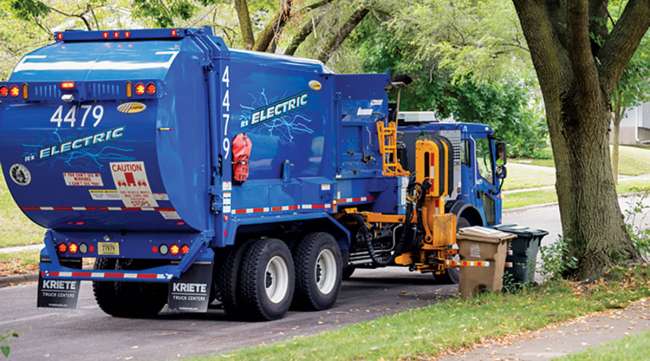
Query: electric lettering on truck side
[[78, 143], [271, 111]]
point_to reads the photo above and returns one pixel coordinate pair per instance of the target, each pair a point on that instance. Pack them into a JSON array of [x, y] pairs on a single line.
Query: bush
[[634, 215], [556, 260]]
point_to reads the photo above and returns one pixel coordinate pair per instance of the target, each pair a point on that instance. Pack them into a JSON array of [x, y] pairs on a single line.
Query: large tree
[[579, 62]]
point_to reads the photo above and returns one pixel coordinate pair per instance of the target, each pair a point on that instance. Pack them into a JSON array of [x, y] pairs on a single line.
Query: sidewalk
[[566, 338]]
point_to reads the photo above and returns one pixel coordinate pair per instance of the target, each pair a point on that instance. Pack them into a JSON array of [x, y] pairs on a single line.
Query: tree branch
[[582, 60], [335, 42], [274, 27], [622, 42], [302, 34], [241, 7]]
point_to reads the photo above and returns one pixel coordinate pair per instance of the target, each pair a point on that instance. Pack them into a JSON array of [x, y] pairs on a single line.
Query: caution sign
[[191, 293], [57, 293], [131, 182], [78, 179]]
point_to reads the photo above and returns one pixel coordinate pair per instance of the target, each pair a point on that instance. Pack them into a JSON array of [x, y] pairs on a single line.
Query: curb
[[14, 280]]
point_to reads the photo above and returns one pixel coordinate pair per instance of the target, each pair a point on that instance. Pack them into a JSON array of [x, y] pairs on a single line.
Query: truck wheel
[[226, 278], [452, 275], [128, 299], [318, 271], [266, 280], [348, 271]]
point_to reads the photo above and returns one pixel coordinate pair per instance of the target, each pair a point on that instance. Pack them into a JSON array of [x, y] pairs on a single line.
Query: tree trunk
[[576, 86], [302, 35], [335, 42], [241, 7], [616, 143]]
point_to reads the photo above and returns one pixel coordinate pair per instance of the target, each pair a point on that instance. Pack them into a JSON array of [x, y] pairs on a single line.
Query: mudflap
[[55, 293], [191, 292]]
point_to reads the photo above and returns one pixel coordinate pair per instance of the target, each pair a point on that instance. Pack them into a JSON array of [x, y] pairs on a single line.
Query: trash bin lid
[[521, 230]]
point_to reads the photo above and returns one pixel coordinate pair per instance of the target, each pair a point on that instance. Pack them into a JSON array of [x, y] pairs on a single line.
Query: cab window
[[484, 159]]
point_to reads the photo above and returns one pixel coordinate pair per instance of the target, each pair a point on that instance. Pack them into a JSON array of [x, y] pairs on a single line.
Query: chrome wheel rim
[[325, 271], [276, 281]]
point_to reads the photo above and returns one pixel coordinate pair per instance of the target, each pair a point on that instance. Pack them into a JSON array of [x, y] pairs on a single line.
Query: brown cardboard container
[[482, 244]]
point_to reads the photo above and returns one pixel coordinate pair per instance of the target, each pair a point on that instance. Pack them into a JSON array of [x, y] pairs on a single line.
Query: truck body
[[177, 162]]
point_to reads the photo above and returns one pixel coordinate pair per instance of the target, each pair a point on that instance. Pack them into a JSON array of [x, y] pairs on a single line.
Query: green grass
[[18, 263], [545, 196], [633, 161], [630, 348], [15, 228], [455, 323]]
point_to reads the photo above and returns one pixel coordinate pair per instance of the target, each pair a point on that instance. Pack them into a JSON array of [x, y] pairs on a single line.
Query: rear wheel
[[128, 299], [266, 281], [318, 271], [226, 279]]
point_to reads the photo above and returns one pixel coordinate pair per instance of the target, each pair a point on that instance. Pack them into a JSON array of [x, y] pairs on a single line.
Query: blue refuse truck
[[194, 174]]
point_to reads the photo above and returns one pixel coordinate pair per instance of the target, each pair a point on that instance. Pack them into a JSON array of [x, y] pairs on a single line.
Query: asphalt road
[[88, 334]]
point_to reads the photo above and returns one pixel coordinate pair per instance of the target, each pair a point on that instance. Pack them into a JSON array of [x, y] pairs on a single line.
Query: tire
[[266, 280], [226, 279], [128, 299], [452, 275], [319, 271], [348, 271]]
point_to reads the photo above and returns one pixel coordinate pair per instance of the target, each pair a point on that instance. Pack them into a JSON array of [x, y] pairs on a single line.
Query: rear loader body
[[195, 173]]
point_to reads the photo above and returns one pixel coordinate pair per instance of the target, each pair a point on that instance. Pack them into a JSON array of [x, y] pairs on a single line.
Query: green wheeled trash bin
[[523, 253]]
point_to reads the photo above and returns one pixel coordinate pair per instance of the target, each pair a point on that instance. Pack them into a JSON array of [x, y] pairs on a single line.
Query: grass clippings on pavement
[[630, 348], [428, 332]]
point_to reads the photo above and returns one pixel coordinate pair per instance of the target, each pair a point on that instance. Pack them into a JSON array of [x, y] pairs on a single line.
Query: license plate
[[108, 248]]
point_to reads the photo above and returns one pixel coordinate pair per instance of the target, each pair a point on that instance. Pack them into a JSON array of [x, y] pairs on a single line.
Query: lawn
[[15, 228], [544, 196], [450, 325], [18, 263], [630, 348], [633, 161], [521, 176]]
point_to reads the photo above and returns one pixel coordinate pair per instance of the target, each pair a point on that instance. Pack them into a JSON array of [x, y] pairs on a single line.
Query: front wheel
[[318, 271], [266, 279]]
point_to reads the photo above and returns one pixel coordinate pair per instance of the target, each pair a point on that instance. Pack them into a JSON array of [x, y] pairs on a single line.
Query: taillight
[[4, 91], [62, 248], [105, 35], [67, 85], [174, 33], [116, 35], [174, 249], [151, 89], [59, 36], [139, 89], [14, 91], [127, 34], [73, 248], [154, 249], [185, 249]]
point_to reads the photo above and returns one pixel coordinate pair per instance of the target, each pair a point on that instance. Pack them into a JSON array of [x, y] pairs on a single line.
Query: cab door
[[488, 191]]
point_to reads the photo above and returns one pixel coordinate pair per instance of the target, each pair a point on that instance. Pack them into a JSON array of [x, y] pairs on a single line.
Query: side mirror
[[501, 154]]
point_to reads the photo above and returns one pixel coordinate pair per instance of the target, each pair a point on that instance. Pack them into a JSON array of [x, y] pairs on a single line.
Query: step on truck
[[170, 170]]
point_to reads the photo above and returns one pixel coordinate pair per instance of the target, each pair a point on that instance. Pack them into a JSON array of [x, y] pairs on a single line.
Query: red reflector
[[174, 33], [61, 248], [127, 34], [91, 248], [14, 91], [116, 35], [139, 89], [73, 248], [185, 249], [4, 91], [67, 85], [151, 89], [154, 249], [174, 249], [105, 34]]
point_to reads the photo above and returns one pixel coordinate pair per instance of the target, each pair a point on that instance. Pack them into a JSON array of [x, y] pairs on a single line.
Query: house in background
[[635, 126]]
